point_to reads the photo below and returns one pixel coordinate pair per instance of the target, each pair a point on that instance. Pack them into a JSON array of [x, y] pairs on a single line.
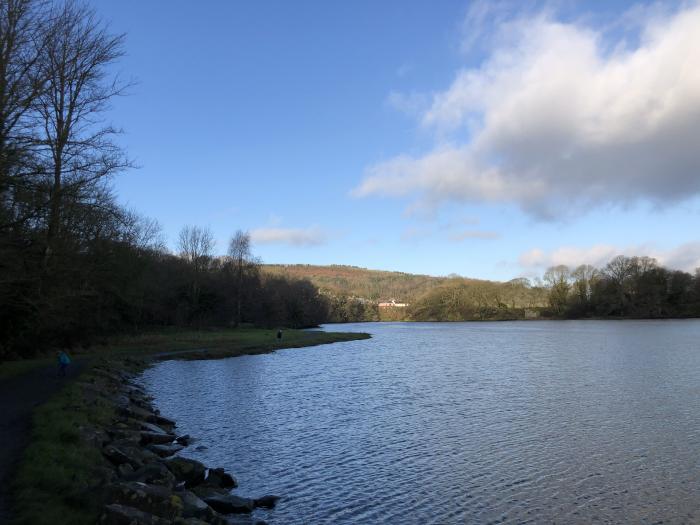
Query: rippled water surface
[[571, 422]]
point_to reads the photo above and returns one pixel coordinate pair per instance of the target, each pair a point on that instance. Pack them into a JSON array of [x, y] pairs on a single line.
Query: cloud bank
[[299, 237], [560, 119], [683, 257]]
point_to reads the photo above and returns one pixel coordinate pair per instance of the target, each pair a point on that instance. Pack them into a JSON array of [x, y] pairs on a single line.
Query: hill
[[354, 294], [352, 281]]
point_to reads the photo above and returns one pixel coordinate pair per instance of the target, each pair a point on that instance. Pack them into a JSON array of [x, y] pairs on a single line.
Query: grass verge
[[59, 471], [215, 344], [10, 369]]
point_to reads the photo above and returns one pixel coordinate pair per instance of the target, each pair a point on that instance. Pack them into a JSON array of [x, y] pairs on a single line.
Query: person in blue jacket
[[63, 362]]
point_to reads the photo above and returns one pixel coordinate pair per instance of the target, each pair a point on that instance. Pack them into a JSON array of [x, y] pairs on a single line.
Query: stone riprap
[[145, 481]]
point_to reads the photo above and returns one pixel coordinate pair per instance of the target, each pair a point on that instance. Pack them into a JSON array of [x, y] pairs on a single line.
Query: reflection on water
[[516, 422]]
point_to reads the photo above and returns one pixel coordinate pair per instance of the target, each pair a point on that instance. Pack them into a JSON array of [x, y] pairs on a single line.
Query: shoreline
[[520, 319], [117, 456]]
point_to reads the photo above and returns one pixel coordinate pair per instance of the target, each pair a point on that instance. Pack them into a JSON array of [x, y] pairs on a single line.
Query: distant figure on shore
[[63, 362], [279, 335]]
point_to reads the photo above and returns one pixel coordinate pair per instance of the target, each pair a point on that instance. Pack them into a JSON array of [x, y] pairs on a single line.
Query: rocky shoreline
[[145, 482]]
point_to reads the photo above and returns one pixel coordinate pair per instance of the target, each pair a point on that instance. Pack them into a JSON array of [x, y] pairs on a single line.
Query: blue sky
[[488, 139]]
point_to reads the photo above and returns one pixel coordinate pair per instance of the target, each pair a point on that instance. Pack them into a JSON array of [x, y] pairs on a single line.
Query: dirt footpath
[[18, 398]]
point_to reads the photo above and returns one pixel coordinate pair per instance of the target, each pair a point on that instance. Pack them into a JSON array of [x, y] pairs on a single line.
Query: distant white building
[[392, 304]]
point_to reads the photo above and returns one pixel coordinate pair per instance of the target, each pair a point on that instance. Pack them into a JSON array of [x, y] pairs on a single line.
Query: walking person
[[63, 362]]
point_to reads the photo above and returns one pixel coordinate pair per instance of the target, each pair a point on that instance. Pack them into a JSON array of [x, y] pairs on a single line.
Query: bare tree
[[23, 33], [196, 245], [77, 145], [242, 259]]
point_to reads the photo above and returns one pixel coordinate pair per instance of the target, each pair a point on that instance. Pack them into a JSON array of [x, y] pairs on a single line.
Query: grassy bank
[[188, 344], [62, 468], [214, 344]]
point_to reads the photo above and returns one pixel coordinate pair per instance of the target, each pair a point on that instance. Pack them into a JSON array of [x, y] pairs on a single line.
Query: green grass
[[9, 369], [58, 475], [217, 343], [189, 344]]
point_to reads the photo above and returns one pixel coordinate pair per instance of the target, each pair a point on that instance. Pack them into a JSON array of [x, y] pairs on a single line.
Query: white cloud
[[312, 236], [683, 257], [558, 123], [474, 234], [411, 104]]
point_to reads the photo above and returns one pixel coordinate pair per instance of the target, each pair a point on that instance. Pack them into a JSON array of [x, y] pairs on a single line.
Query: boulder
[[153, 473], [120, 434], [150, 427], [118, 456], [137, 454], [163, 421], [153, 499], [204, 492], [266, 502], [116, 514], [157, 438], [141, 414], [229, 504], [184, 440], [194, 507], [125, 470], [165, 451], [218, 477], [188, 470]]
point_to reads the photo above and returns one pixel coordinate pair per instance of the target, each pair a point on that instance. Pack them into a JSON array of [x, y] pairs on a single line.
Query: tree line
[[636, 287], [75, 265], [626, 287]]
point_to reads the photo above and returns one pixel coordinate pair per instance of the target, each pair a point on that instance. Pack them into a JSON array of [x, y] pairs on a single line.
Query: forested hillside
[[354, 293], [374, 285], [626, 287]]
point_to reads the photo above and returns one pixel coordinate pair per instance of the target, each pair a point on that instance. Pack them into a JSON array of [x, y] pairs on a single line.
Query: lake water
[[508, 422]]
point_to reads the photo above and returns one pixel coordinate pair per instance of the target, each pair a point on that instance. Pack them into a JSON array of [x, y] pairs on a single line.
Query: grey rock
[[184, 440], [188, 470], [153, 499], [229, 504], [157, 438], [118, 456], [150, 427], [164, 421], [266, 502], [125, 470], [218, 477], [194, 507], [165, 451], [206, 492], [141, 414], [122, 434], [153, 473], [116, 514], [138, 454]]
